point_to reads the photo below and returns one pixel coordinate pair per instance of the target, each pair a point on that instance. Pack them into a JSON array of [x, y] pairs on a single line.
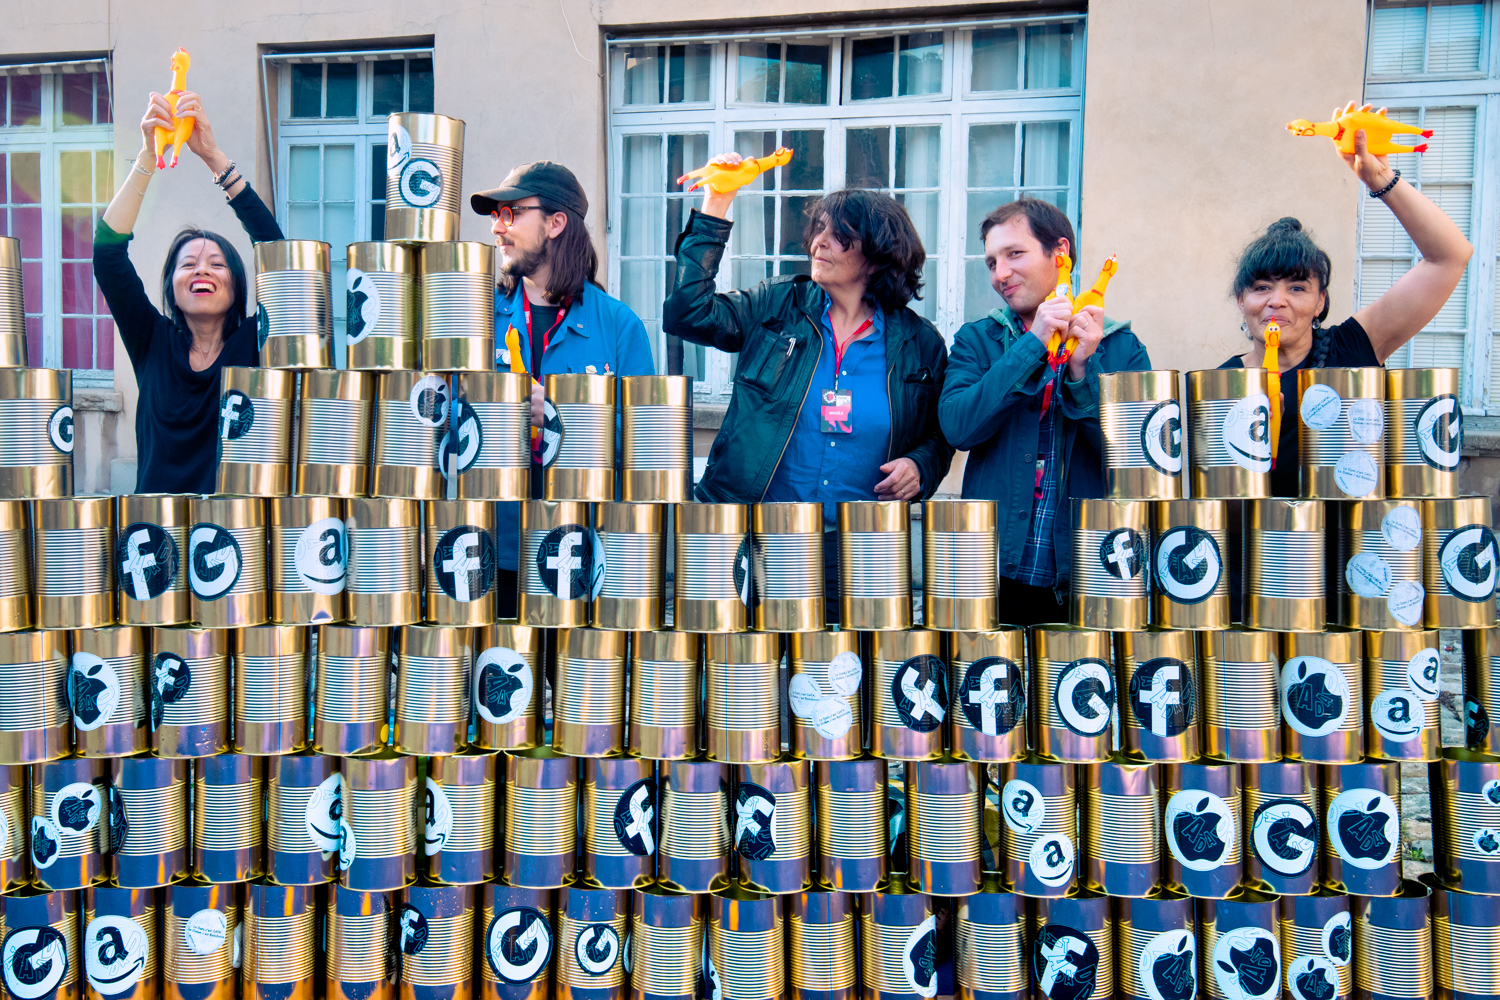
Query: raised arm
[[694, 311]]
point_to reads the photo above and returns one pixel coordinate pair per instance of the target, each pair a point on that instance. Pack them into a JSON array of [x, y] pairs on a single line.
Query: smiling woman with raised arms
[[177, 356]]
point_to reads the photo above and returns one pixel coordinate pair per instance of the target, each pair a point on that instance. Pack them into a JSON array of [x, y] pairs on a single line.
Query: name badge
[[834, 413]]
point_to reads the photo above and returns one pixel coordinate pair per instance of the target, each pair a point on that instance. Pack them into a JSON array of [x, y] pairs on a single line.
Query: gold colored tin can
[[960, 581], [294, 304], [462, 562], [432, 689], [1190, 564], [666, 930], [742, 697], [424, 177], [773, 825], [893, 923], [1073, 686], [411, 417], [384, 577], [578, 438], [512, 921], [1281, 826], [1141, 422], [270, 689], [107, 692], [989, 694], [230, 788], [336, 417], [255, 432], [379, 830], [990, 960], [1401, 692], [307, 829], [909, 694], [1461, 562], [36, 414], [561, 564], [1341, 433], [632, 595], [1362, 836], [1393, 943], [70, 820], [74, 547], [382, 332], [1381, 573], [33, 700], [589, 697], [15, 850], [745, 945], [694, 851], [1122, 828], [942, 826], [664, 694], [1285, 577], [1156, 953], [1079, 927], [12, 305], [1039, 808], [52, 952], [1322, 696], [309, 560], [541, 818], [1317, 946], [853, 839], [820, 931], [442, 968], [121, 943], [1201, 828], [1111, 560], [1229, 426], [1424, 432], [1245, 922], [714, 583], [457, 810], [875, 592], [1241, 675], [1159, 712], [591, 931], [787, 566], [352, 690], [1465, 936], [1467, 827], [278, 949], [656, 418], [619, 822], [15, 567], [358, 945], [150, 558], [227, 561], [189, 688], [508, 682], [153, 797], [492, 457], [824, 692]]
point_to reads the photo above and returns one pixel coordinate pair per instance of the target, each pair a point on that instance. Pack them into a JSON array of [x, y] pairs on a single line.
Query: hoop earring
[[1246, 331]]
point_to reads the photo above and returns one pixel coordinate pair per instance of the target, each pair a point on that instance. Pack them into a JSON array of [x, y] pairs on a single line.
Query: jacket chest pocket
[[767, 367]]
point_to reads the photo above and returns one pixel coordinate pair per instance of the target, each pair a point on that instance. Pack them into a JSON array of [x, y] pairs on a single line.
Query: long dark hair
[[886, 237], [1286, 252], [572, 256], [236, 314]]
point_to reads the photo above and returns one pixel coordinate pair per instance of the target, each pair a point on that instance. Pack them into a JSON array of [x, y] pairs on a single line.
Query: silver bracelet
[[144, 173], [221, 178]]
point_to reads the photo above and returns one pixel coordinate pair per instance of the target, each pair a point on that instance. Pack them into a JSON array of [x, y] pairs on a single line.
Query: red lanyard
[[840, 348], [546, 337]]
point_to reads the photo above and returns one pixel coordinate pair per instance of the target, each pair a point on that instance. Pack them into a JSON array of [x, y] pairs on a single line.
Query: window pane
[[377, 220], [992, 155], [1049, 56], [342, 99], [873, 69], [388, 89], [923, 209], [104, 177], [26, 226], [77, 98], [641, 227], [304, 165], [997, 60], [25, 100], [77, 234], [1454, 44], [304, 222], [982, 203], [684, 153], [338, 173], [77, 171], [102, 114], [754, 229], [419, 86], [643, 75], [1397, 35], [377, 173], [759, 68], [1450, 151], [922, 63], [752, 145], [926, 306], [806, 74], [867, 157], [918, 155], [687, 73], [78, 287], [26, 179], [1044, 153], [979, 296], [749, 273], [307, 91], [78, 343], [642, 167], [338, 231], [793, 221], [805, 172], [104, 342]]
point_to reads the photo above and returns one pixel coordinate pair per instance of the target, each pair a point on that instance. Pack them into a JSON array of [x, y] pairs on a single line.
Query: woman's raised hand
[[713, 202], [158, 115], [201, 139], [1374, 171]]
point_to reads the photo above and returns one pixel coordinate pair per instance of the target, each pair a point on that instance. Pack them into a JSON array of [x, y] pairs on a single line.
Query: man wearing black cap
[[551, 314]]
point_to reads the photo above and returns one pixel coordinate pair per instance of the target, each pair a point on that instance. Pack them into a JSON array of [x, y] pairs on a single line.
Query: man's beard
[[525, 262]]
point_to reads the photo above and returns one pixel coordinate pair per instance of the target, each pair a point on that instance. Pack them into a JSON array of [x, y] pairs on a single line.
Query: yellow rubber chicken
[[518, 363], [1273, 380], [1064, 290], [722, 180], [1377, 127], [174, 137]]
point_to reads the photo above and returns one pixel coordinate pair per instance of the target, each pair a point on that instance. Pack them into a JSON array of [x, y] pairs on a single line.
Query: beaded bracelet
[[1387, 189]]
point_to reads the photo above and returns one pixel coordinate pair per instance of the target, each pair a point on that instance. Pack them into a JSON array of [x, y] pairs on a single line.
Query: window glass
[[419, 88], [87, 330], [377, 191], [667, 74], [21, 219], [806, 74], [996, 60], [342, 92], [759, 72], [1453, 38], [1049, 56], [872, 74], [307, 90], [1411, 39], [921, 63], [388, 91], [25, 101], [777, 73]]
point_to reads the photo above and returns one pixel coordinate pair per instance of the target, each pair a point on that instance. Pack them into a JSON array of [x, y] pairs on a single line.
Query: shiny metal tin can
[[1461, 563], [988, 686], [294, 304], [462, 562], [909, 694], [1073, 692], [875, 592], [1201, 829], [36, 428], [714, 585], [34, 712], [990, 955], [227, 561], [382, 332], [358, 945], [153, 798], [309, 560], [199, 946], [492, 459], [1317, 946], [1465, 939], [351, 696], [1285, 586], [189, 687], [1393, 944], [270, 689], [74, 548], [150, 558], [424, 177], [107, 692], [1341, 433], [1424, 432], [820, 933], [335, 420], [541, 818], [228, 806], [1190, 564], [1229, 427], [15, 567], [1122, 827], [1072, 944], [942, 826], [656, 418], [255, 432], [592, 926], [667, 944], [45, 941], [824, 691], [620, 826], [456, 812], [1241, 674], [1282, 827], [508, 682], [1111, 561], [787, 566], [1464, 787], [1159, 692], [694, 851], [960, 582], [1362, 844], [384, 582], [853, 838], [664, 694], [1156, 947], [1041, 845], [379, 828], [12, 305], [1323, 696], [745, 945], [436, 941], [632, 597], [70, 823], [516, 943], [432, 689], [1140, 418], [1241, 932], [589, 696], [742, 697], [305, 825], [898, 934], [15, 848], [561, 564], [1380, 576], [278, 949], [1401, 692], [457, 284], [121, 943], [411, 417], [773, 825], [578, 438]]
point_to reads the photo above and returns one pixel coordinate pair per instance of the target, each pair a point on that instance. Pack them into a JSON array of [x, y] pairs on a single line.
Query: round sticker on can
[[503, 685], [76, 807], [1356, 474], [1284, 836], [1338, 938], [46, 842], [1199, 827], [832, 717], [437, 818], [93, 691], [1064, 963], [1397, 714], [919, 691], [1402, 528], [429, 401], [1321, 406], [1168, 966], [1422, 673], [635, 818], [1469, 563], [992, 696], [1051, 858], [803, 692], [464, 563], [145, 561], [1368, 575], [1247, 964], [363, 307], [919, 958], [1312, 977], [420, 183], [115, 952], [1364, 827], [1161, 437], [1085, 696], [322, 556], [1440, 432], [236, 415], [1314, 695], [35, 960], [1022, 805], [398, 148], [518, 944], [325, 810], [206, 931], [1405, 602], [844, 672], [1366, 420]]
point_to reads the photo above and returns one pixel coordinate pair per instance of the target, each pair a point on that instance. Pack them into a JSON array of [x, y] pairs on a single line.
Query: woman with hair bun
[[1283, 276]]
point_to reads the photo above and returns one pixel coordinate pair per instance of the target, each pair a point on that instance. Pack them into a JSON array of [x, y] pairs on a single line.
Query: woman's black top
[[177, 416], [1349, 347]]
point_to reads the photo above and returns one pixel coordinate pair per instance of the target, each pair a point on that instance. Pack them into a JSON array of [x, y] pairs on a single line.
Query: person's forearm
[[217, 163], [1437, 237], [716, 204], [126, 204]]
